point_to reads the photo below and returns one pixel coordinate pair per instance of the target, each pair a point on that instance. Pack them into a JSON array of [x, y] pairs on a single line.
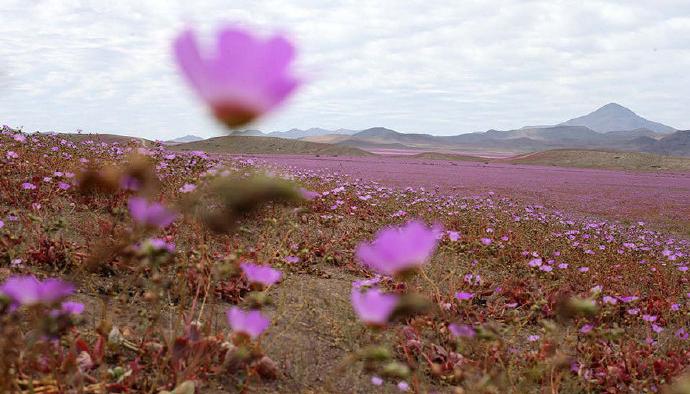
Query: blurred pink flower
[[308, 194], [586, 328], [261, 274], [150, 214], [187, 188], [27, 290], [399, 249], [372, 306], [251, 323], [461, 330], [243, 78]]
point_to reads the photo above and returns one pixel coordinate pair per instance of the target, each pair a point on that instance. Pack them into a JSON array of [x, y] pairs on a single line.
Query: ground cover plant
[[131, 268]]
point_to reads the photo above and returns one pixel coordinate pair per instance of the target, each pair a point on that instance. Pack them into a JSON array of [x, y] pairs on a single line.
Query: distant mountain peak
[[615, 117]]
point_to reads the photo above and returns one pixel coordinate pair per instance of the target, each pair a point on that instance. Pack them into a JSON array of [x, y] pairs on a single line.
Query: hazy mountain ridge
[[609, 127]]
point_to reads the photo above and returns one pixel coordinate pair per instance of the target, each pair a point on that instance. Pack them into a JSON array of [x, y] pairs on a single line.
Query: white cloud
[[421, 66]]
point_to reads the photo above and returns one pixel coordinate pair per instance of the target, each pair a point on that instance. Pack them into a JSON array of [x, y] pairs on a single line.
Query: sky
[[430, 66]]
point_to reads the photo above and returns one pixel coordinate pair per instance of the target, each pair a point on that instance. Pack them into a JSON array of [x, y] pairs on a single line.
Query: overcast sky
[[440, 67]]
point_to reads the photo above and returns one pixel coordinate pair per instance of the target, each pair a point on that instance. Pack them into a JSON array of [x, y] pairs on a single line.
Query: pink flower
[[453, 235], [292, 259], [150, 214], [461, 330], [372, 306], [308, 194], [72, 308], [681, 334], [486, 241], [27, 290], [586, 328], [243, 78], [399, 249], [261, 274], [187, 188], [463, 296], [251, 323]]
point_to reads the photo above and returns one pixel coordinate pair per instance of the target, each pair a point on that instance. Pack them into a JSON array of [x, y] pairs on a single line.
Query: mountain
[[248, 133], [612, 117], [676, 144], [186, 138], [312, 132]]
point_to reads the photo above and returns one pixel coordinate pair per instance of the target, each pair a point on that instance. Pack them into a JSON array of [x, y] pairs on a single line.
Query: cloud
[[419, 66]]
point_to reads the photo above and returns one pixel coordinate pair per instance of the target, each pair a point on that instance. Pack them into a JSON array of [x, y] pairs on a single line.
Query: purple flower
[[243, 78], [586, 328], [64, 186], [372, 306], [486, 241], [251, 323], [403, 386], [187, 188], [399, 249], [27, 290], [261, 274], [292, 259], [308, 194], [681, 334], [463, 296], [160, 244], [656, 328], [68, 308], [649, 318], [28, 186], [453, 235], [461, 330], [150, 214], [72, 308], [376, 381], [533, 338], [609, 300], [629, 298]]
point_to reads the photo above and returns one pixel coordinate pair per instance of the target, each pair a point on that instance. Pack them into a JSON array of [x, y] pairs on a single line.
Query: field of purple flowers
[[658, 198], [129, 268]]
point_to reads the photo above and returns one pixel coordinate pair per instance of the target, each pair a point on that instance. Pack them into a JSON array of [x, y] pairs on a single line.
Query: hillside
[[104, 138], [604, 159], [267, 145]]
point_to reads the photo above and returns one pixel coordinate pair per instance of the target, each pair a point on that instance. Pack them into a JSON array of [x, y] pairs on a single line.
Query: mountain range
[[611, 127]]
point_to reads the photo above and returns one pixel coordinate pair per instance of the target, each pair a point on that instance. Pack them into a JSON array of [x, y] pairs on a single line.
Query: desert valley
[[249, 256]]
